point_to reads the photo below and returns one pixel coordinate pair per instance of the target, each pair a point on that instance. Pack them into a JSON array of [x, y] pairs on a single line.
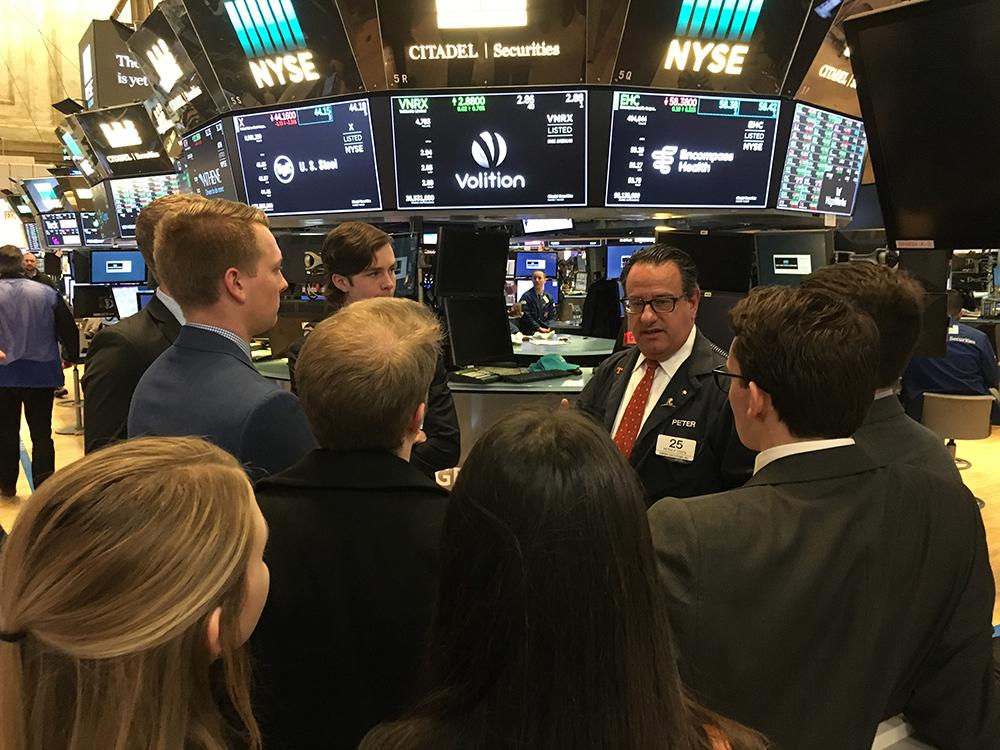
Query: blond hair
[[151, 216], [365, 370], [197, 243], [111, 575]]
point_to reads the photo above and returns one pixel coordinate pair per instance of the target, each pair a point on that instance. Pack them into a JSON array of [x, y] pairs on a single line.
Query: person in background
[[864, 590], [120, 354], [30, 261], [657, 399], [223, 266], [968, 368], [539, 310], [551, 630], [34, 321], [354, 531], [514, 318], [132, 637], [360, 264], [894, 300]]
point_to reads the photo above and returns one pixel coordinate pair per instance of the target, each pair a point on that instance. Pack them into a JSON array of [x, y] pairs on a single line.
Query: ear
[[341, 282], [759, 404], [213, 633], [232, 282], [416, 420]]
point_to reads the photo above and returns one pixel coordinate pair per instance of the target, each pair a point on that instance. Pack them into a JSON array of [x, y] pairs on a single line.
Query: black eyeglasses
[[635, 305], [721, 373]]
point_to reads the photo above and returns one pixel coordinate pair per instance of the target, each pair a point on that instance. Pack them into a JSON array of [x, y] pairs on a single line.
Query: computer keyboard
[[534, 377]]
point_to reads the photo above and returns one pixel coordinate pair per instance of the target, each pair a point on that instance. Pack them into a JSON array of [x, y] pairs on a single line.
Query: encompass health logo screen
[[317, 159], [690, 150], [484, 150]]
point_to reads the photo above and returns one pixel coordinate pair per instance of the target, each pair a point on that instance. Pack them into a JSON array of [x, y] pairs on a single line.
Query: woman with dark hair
[[551, 628]]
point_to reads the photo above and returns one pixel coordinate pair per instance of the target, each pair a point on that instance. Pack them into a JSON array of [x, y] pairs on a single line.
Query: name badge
[[675, 448], [953, 330]]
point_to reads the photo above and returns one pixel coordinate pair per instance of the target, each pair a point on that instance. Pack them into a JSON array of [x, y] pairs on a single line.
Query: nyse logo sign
[[122, 134], [713, 35], [489, 150], [272, 39]]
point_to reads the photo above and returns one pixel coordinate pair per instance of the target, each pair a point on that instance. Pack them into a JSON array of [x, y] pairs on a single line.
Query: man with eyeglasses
[[658, 399], [833, 590]]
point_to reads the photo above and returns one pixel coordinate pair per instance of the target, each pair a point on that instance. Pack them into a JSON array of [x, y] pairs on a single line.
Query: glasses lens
[[664, 304]]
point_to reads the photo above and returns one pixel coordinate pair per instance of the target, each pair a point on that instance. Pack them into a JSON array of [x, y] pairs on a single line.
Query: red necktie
[[628, 428]]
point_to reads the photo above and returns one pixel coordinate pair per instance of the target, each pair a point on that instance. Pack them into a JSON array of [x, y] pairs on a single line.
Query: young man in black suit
[[830, 592], [223, 266], [894, 300], [120, 354], [353, 533]]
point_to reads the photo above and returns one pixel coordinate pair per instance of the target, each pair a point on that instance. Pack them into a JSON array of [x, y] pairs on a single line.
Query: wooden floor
[[983, 478]]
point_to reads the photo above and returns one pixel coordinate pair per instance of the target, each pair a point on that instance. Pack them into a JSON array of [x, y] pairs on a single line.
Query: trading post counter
[[481, 405], [580, 350]]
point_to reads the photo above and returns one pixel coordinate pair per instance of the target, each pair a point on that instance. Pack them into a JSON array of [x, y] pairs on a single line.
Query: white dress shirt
[[790, 449], [664, 373], [171, 304]]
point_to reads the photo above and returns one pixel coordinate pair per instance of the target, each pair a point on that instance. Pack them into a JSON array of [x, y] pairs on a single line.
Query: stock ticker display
[[824, 162], [205, 167], [129, 196], [317, 159], [61, 230], [518, 149], [31, 235], [690, 150], [91, 227]]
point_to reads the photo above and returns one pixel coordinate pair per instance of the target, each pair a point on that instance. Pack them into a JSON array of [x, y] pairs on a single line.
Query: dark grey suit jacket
[[117, 358], [828, 594], [891, 437], [205, 385]]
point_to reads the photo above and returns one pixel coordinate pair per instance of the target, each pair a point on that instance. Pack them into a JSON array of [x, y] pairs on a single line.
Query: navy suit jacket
[[205, 385]]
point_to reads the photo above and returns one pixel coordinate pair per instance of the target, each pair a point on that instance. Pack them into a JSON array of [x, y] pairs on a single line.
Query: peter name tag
[[675, 448]]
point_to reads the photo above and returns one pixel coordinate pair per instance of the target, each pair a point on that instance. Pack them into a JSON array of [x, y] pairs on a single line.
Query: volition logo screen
[[491, 150], [318, 159], [205, 167], [689, 150]]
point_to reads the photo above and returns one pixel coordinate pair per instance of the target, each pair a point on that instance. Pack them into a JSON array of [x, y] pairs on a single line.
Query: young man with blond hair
[[223, 267], [354, 529]]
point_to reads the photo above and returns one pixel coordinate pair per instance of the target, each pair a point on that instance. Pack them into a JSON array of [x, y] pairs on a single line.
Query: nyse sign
[[283, 69]]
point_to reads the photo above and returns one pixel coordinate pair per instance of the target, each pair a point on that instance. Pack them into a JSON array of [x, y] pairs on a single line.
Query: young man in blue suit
[[223, 267]]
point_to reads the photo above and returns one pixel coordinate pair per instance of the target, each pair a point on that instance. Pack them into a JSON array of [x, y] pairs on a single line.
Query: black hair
[[660, 254]]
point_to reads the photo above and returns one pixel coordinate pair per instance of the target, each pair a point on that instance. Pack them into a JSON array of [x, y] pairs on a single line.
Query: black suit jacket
[[205, 385], [117, 358], [691, 407], [891, 437], [829, 594], [352, 552]]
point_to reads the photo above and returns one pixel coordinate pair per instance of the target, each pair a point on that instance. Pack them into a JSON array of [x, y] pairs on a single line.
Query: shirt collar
[[171, 304], [884, 393], [672, 363], [243, 345], [790, 449]]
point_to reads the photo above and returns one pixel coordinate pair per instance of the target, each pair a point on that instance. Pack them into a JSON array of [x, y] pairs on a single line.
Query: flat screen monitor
[[784, 258], [31, 235], [996, 277], [126, 300], [302, 257], [526, 264], [724, 261], [470, 263], [22, 208], [618, 257], [823, 163], [491, 150], [62, 230], [43, 192], [478, 331], [117, 267], [316, 159], [532, 226], [93, 301], [928, 93], [205, 166], [143, 296], [91, 228], [551, 288], [713, 317], [125, 141], [690, 150], [130, 196]]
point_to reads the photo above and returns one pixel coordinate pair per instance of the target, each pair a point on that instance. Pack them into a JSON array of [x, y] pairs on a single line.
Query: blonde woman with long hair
[[128, 587]]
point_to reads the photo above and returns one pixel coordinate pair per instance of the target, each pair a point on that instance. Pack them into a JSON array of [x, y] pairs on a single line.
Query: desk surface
[[970, 321], [275, 369], [573, 384], [574, 346]]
